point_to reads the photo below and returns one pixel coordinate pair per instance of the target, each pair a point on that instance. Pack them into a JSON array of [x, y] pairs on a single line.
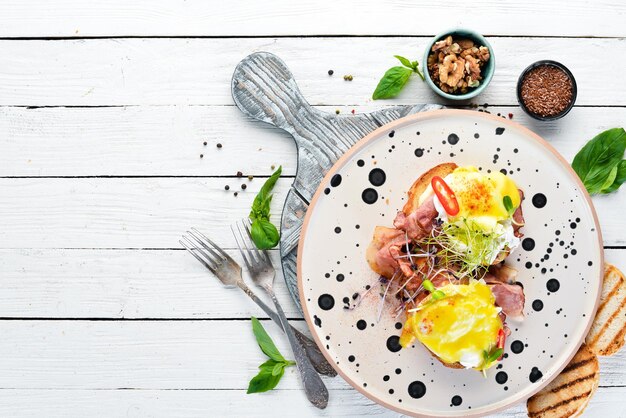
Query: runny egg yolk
[[459, 327], [481, 196]]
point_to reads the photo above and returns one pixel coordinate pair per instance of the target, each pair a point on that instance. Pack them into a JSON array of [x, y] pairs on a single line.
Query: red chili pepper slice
[[500, 341], [445, 195]]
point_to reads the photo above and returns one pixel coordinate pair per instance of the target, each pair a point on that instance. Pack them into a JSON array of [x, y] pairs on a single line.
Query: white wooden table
[[104, 109]]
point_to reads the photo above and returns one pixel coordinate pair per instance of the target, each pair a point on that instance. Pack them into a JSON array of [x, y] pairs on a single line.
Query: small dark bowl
[[553, 64]]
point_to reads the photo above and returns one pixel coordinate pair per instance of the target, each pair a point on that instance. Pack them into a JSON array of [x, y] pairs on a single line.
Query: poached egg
[[459, 327]]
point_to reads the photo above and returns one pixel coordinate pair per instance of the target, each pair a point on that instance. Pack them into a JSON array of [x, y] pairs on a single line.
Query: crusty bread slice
[[422, 183], [569, 393], [607, 332]]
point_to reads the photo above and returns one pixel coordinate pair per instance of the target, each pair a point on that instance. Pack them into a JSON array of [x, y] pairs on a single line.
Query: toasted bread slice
[[568, 394], [422, 183], [607, 332]]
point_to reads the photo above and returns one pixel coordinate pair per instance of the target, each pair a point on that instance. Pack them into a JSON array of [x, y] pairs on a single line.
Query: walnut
[[471, 67], [442, 44], [452, 69], [455, 65], [483, 53], [465, 43]]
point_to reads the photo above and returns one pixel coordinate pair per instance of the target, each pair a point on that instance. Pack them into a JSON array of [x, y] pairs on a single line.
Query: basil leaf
[[259, 208], [595, 161], [265, 342], [265, 380], [278, 368], [392, 82], [264, 234], [620, 177], [405, 62], [508, 204]]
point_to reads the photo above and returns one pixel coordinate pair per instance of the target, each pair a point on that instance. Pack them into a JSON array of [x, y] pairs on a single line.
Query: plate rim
[[399, 123]]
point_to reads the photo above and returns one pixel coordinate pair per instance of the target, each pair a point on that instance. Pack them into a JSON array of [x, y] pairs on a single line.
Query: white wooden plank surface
[[168, 140], [130, 284], [153, 212], [101, 247], [607, 402], [60, 354], [199, 71], [284, 17]]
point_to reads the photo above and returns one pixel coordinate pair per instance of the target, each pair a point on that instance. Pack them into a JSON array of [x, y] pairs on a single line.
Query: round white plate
[[560, 265]]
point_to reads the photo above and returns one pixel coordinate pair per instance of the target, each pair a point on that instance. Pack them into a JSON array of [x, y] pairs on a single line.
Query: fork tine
[[251, 254], [243, 255], [212, 243], [259, 253], [217, 257], [200, 259]]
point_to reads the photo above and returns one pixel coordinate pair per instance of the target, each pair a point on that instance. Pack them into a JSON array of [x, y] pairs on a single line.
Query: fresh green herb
[[273, 369], [396, 78], [263, 232], [430, 287], [600, 163], [466, 247], [493, 356], [508, 204]]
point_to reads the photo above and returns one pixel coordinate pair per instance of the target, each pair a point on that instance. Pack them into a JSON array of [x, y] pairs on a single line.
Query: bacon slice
[[379, 255], [501, 273], [510, 297], [419, 223]]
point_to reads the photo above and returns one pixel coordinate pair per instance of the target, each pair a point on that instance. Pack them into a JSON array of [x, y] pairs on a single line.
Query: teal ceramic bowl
[[487, 70]]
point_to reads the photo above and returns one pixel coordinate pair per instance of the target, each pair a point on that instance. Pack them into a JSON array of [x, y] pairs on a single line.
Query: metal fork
[[229, 273], [263, 273]]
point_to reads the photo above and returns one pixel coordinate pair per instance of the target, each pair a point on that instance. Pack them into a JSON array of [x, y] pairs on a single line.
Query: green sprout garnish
[[464, 247]]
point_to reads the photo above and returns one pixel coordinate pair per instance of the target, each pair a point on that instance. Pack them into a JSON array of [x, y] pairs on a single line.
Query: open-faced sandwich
[[443, 263]]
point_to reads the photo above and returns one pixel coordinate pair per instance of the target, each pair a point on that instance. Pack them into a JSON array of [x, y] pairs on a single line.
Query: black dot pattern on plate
[[517, 347], [535, 374], [528, 244], [337, 230], [360, 163], [453, 139], [553, 285], [502, 377], [393, 344], [326, 302], [340, 277], [499, 131], [317, 321], [419, 152], [456, 400], [361, 324], [336, 180], [417, 389], [377, 177], [369, 196], [537, 305], [539, 200]]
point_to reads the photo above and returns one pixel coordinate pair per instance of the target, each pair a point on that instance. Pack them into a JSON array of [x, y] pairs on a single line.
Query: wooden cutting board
[[264, 89]]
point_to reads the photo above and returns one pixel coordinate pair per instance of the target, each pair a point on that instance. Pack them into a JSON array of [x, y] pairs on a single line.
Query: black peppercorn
[[243, 186], [239, 174]]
